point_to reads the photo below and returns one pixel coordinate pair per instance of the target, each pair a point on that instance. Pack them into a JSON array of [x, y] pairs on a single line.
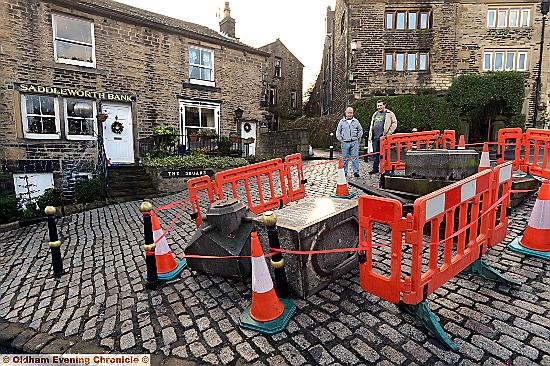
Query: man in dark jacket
[[383, 123]]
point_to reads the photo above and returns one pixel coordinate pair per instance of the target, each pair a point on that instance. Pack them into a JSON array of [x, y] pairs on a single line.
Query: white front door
[[118, 136], [248, 129]]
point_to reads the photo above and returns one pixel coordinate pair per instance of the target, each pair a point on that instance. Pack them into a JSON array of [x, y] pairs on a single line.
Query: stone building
[[381, 47], [63, 62], [282, 84]]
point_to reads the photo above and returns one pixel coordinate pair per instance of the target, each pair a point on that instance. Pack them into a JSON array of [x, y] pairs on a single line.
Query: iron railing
[[156, 145]]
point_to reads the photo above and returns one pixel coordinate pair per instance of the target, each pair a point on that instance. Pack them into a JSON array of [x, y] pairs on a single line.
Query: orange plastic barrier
[[458, 235], [502, 185], [290, 187], [448, 139], [295, 177], [392, 147], [195, 185], [252, 175], [389, 212], [510, 139], [537, 145]]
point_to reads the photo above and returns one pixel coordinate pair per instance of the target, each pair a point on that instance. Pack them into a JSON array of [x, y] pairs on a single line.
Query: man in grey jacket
[[349, 133], [382, 123]]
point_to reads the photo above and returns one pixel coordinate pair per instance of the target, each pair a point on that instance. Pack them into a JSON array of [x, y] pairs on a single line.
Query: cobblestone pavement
[[102, 299]]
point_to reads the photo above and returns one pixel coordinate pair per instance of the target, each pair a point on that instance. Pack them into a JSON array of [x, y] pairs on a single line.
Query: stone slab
[[10, 332], [520, 184], [316, 224], [58, 346], [86, 348], [23, 338], [417, 186], [441, 163], [35, 344]]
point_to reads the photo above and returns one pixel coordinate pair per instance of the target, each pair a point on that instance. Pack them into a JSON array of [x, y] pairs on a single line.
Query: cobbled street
[[102, 299]]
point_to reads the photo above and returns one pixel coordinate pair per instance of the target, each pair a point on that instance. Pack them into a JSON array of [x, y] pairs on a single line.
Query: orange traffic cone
[[267, 314], [536, 238], [461, 144], [342, 184], [167, 266], [484, 162]]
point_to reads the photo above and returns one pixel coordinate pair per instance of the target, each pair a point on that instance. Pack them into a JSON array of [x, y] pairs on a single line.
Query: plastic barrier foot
[[482, 269], [422, 312], [273, 326], [515, 246]]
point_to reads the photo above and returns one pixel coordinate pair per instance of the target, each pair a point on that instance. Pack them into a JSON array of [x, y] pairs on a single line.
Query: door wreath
[[247, 127], [117, 127]]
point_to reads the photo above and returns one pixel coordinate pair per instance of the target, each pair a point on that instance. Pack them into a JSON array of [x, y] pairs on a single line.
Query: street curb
[[26, 340]]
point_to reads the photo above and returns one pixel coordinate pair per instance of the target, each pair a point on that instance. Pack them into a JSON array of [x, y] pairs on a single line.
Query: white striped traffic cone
[[484, 162], [168, 267], [342, 190], [536, 238], [267, 314]]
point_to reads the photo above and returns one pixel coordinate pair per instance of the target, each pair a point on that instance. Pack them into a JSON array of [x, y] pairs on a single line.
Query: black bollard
[[277, 260], [331, 156], [149, 246], [55, 243]]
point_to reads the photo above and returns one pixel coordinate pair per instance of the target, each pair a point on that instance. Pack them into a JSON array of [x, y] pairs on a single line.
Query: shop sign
[[72, 92], [186, 173]]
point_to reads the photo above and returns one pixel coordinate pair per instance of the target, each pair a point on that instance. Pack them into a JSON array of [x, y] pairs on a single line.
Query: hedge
[[195, 162], [423, 112]]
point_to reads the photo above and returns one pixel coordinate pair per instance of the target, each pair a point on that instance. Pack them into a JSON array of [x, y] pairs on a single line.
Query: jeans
[[376, 157], [351, 149]]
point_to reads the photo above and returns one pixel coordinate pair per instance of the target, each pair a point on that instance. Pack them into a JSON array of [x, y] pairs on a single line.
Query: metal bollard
[[277, 260], [55, 243], [331, 156], [149, 246]]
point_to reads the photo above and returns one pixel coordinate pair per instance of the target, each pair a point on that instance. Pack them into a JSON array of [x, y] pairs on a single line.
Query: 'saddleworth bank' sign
[[71, 92]]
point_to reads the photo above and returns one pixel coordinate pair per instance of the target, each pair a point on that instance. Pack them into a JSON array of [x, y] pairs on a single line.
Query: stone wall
[[134, 56], [291, 79], [455, 42], [282, 143]]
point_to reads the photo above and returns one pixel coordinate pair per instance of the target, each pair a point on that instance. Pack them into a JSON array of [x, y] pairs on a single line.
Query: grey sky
[[300, 24]]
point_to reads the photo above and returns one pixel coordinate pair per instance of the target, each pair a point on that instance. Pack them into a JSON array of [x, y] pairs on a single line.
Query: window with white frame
[[407, 19], [80, 122], [406, 61], [293, 99], [73, 40], [201, 66], [504, 60], [508, 17], [40, 116], [278, 64], [197, 116]]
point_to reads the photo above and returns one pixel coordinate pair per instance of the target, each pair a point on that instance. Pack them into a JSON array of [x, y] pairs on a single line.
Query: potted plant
[[101, 117], [193, 135]]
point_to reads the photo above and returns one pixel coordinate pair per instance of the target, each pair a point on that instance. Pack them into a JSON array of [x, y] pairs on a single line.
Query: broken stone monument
[[429, 170], [315, 224], [224, 232]]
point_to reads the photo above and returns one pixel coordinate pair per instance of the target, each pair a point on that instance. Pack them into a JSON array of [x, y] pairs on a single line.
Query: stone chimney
[[227, 24]]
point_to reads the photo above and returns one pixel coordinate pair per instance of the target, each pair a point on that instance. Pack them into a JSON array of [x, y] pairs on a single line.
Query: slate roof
[[116, 10]]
